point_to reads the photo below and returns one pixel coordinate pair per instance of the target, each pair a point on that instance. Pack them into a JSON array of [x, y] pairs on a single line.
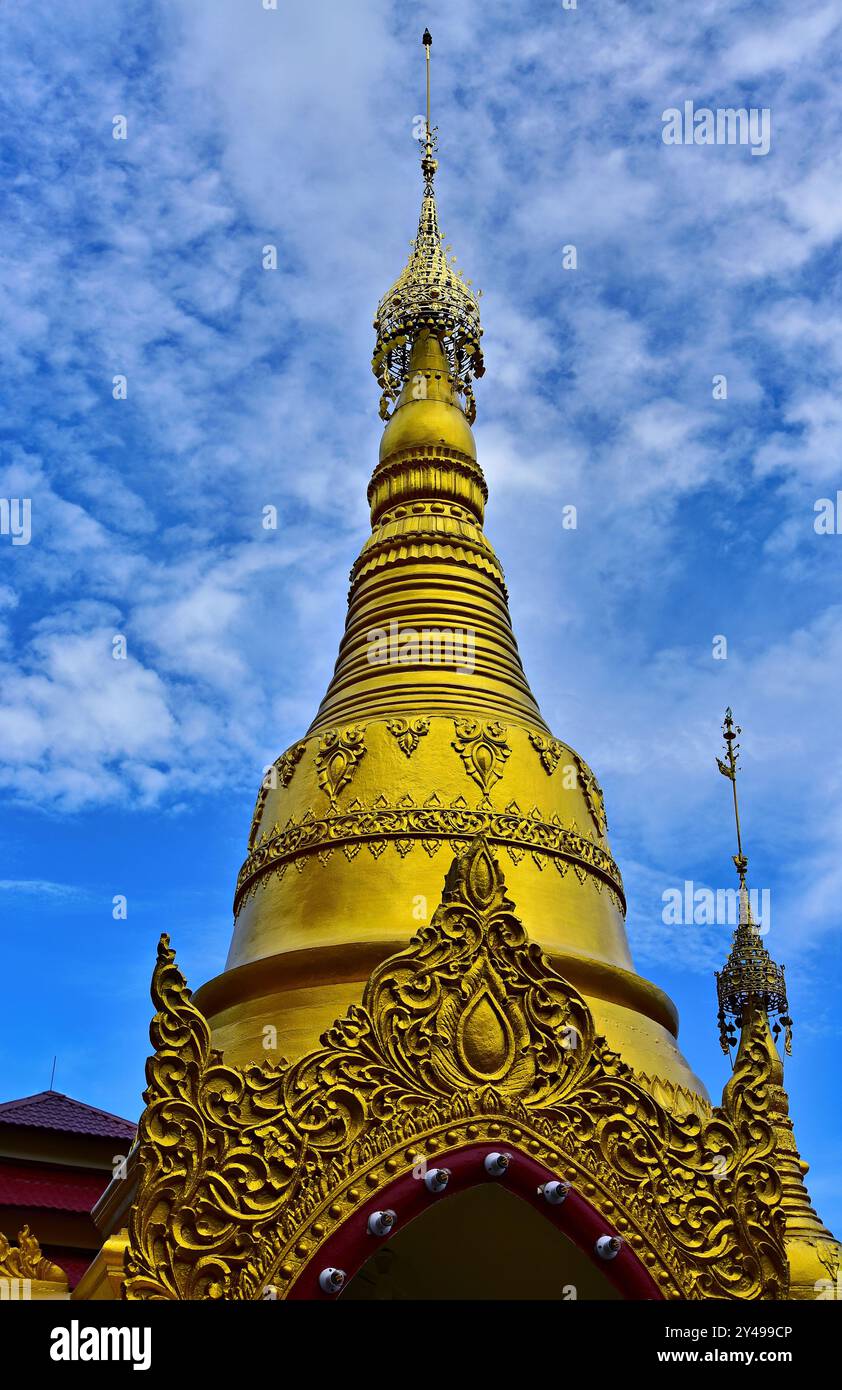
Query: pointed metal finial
[[428, 162], [728, 768]]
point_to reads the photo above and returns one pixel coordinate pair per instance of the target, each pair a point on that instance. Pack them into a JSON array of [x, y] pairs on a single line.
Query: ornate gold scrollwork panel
[[467, 1034]]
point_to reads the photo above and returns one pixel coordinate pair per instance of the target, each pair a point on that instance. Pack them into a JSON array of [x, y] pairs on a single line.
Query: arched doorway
[[489, 1229], [483, 1243]]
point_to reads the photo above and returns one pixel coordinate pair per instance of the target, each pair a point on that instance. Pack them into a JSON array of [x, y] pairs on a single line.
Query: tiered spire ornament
[[750, 979], [429, 294]]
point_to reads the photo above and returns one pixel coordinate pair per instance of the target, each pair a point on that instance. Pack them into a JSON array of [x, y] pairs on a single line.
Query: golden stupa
[[428, 736], [429, 1006]]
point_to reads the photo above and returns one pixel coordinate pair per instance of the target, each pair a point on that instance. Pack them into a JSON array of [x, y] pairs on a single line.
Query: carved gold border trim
[[404, 825], [440, 1130]]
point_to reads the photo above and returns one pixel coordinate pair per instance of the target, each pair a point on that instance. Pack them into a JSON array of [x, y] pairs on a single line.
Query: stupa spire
[[430, 298], [751, 991], [428, 566], [750, 979]]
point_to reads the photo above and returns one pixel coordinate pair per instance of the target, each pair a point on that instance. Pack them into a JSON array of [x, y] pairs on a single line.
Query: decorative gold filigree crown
[[428, 294], [750, 975]]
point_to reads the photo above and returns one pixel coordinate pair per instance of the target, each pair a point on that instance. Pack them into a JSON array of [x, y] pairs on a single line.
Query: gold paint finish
[[103, 1279], [405, 1039], [484, 1040], [427, 412]]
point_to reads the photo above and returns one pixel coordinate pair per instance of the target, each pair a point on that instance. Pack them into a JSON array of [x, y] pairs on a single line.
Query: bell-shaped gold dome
[[428, 409]]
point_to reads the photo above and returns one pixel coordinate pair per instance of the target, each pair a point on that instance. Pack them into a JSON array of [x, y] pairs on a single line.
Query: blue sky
[[248, 388]]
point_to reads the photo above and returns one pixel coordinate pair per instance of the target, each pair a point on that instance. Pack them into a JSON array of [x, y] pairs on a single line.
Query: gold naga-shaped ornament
[[26, 1261]]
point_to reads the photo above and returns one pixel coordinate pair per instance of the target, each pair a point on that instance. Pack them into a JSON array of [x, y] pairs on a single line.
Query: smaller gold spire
[[751, 990], [750, 978]]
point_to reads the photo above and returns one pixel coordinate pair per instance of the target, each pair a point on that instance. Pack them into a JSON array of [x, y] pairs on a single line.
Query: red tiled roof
[[51, 1187], [52, 1110]]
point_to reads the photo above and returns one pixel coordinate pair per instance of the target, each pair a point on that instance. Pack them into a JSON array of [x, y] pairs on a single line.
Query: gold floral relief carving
[[593, 795], [336, 760], [467, 1033], [551, 750], [288, 762], [278, 775], [408, 733], [674, 1097], [433, 824], [217, 1153], [483, 749]]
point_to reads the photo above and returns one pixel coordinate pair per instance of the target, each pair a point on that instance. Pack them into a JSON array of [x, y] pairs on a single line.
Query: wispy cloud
[[41, 888]]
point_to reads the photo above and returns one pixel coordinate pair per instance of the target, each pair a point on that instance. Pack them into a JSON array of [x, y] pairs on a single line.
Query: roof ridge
[[22, 1110]]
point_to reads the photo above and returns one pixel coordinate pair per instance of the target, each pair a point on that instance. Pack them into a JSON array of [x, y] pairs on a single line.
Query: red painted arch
[[351, 1245]]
